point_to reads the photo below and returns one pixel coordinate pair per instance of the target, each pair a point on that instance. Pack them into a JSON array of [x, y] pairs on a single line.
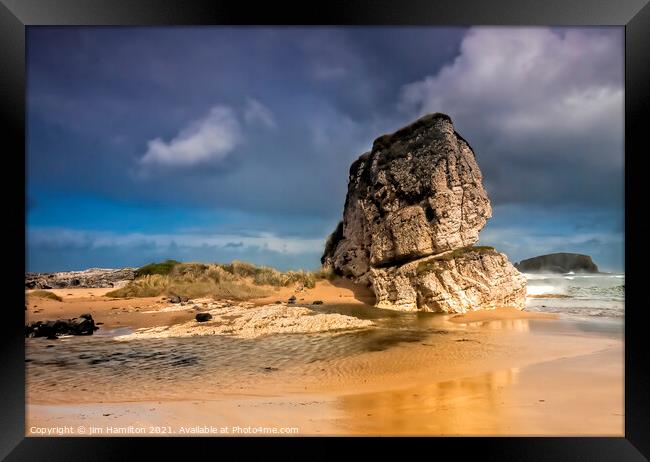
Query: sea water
[[590, 296]]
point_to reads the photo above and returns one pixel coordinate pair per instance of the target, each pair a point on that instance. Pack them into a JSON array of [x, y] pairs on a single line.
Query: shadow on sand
[[362, 293]]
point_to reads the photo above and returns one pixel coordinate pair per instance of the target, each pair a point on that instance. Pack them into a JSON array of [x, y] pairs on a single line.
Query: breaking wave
[[588, 295]]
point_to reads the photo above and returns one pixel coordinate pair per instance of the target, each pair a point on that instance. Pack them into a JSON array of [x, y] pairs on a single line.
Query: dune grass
[[264, 275], [45, 294], [164, 267], [236, 280]]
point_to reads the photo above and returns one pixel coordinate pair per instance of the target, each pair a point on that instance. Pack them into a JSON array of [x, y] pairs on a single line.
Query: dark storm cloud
[[99, 98]]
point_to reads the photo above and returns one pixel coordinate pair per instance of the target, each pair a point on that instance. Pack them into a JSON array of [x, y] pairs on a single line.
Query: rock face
[[558, 263], [89, 278], [453, 282], [418, 194]]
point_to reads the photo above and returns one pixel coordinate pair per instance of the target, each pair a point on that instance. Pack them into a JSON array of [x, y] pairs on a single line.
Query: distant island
[[558, 263]]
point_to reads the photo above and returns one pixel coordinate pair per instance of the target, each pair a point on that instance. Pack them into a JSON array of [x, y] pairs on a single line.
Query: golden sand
[[493, 372]]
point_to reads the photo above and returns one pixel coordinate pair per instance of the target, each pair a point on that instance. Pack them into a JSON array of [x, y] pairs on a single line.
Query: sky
[[212, 143]]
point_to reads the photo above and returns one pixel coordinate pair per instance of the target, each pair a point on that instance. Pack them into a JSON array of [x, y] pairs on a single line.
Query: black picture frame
[[634, 15]]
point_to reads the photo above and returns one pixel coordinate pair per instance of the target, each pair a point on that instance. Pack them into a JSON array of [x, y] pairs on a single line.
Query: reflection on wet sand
[[469, 405], [581, 396], [518, 325], [411, 374]]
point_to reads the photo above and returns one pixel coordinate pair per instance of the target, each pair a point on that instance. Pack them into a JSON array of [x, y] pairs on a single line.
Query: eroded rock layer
[[454, 282]]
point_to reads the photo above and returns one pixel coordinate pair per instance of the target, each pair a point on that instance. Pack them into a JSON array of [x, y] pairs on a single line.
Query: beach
[[490, 372], [267, 231]]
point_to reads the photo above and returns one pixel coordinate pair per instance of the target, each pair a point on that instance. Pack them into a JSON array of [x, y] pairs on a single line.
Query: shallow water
[[588, 295], [98, 367], [104, 367]]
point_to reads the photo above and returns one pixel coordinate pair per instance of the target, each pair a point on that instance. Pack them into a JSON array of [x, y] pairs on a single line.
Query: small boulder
[[292, 300], [84, 325], [174, 299], [317, 302], [203, 317]]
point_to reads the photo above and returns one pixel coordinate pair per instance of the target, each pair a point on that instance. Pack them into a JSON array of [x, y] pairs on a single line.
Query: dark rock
[[317, 302], [291, 300], [174, 299], [332, 242], [203, 317], [84, 325], [558, 263]]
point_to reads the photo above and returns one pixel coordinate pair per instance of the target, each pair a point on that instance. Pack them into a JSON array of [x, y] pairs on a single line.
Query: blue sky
[[213, 144]]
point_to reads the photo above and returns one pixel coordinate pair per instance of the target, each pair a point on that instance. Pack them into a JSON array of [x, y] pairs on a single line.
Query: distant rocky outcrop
[[558, 263], [90, 278], [414, 208]]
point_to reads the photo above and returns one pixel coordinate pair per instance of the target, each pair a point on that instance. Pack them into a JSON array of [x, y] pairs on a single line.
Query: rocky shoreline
[[90, 278]]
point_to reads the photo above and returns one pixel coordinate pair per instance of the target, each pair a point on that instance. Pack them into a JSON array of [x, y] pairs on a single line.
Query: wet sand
[[497, 372], [500, 315]]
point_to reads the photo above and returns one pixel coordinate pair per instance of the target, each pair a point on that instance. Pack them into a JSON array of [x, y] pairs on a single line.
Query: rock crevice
[[418, 193]]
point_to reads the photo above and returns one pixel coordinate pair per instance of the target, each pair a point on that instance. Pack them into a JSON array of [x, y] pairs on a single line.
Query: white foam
[[541, 289]]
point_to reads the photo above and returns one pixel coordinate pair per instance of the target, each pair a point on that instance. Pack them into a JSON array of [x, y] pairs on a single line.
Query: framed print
[[362, 219]]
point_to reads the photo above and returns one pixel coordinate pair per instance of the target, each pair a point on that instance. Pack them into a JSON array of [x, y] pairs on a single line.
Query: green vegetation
[[145, 286], [428, 265], [236, 280], [45, 294], [191, 287], [163, 268], [266, 276]]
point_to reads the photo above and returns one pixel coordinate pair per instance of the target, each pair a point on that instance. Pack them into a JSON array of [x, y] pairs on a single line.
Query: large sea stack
[[414, 209]]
